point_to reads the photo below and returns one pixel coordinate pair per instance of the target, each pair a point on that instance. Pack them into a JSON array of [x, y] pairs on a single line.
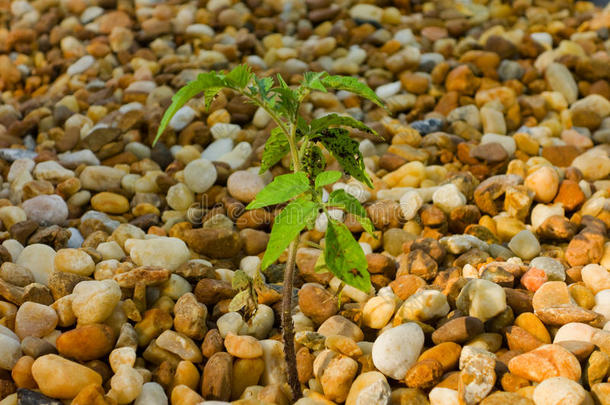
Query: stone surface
[[61, 378], [397, 349]]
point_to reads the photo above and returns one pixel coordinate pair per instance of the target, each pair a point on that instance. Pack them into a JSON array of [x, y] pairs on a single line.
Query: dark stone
[[29, 397], [427, 126], [146, 221], [161, 155], [62, 283], [54, 236], [99, 138]]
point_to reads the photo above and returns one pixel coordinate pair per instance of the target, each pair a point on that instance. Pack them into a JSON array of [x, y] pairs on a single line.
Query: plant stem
[[287, 325]]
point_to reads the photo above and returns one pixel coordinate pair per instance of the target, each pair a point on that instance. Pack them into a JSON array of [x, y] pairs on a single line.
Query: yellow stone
[[110, 203], [526, 143], [408, 175], [533, 325], [145, 208], [582, 295], [61, 378]]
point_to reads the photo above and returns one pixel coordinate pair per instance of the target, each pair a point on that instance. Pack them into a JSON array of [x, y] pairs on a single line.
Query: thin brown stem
[[287, 325]]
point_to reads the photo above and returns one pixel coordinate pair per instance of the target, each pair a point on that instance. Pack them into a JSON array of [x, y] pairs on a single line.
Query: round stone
[[110, 203], [46, 209], [397, 349], [200, 175], [244, 185], [74, 261], [39, 259], [94, 301]]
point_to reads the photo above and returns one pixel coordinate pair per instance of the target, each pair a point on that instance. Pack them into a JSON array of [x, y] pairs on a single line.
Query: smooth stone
[[482, 299], [217, 148], [244, 185], [61, 378], [200, 175], [525, 245], [152, 394], [559, 391], [39, 259], [397, 349], [545, 362], [94, 301], [369, 388], [46, 209], [10, 352], [169, 253], [74, 261], [560, 79], [35, 320]]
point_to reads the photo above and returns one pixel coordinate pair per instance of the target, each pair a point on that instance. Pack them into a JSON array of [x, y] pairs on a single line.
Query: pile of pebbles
[[491, 200]]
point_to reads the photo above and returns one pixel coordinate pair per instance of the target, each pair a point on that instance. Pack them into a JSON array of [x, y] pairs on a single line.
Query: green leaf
[[311, 81], [239, 301], [288, 103], [328, 120], [326, 178], [240, 280], [276, 148], [240, 76], [349, 203], [280, 190], [262, 87], [345, 258], [345, 150], [287, 226], [209, 83], [353, 85]]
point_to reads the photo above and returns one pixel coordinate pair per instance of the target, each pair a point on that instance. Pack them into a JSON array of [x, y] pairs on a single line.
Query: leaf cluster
[[301, 190]]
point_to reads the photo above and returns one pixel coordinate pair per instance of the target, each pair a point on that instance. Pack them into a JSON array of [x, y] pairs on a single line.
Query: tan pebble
[[61, 378], [243, 347]]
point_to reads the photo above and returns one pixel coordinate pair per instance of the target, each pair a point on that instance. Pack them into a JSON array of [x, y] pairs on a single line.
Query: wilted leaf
[[239, 301], [240, 280]]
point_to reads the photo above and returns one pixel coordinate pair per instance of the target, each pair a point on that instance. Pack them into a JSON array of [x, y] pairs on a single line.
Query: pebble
[[46, 210], [244, 185], [168, 253], [81, 65], [559, 390], [10, 350], [39, 259], [525, 245], [74, 261], [182, 118], [61, 378], [546, 362], [94, 301], [397, 349], [482, 299], [200, 175], [33, 319], [370, 388]]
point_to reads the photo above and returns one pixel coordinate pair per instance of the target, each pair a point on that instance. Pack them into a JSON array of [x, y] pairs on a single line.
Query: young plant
[[301, 189]]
